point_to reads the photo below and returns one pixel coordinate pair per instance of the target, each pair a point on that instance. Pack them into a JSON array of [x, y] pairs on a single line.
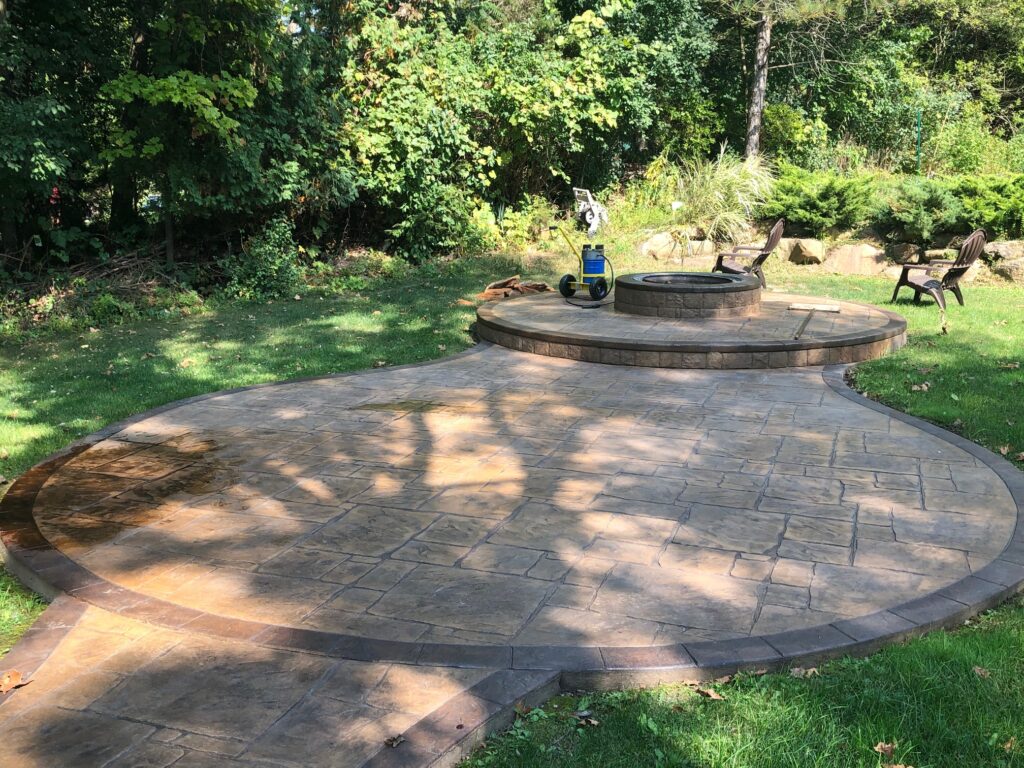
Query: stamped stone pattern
[[376, 570], [501, 498]]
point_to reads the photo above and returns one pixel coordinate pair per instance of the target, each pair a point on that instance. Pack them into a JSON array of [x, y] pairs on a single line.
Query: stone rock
[[940, 254], [785, 247], [1010, 269], [901, 253], [979, 271], [856, 259], [696, 249], [1005, 249], [660, 247], [806, 250]]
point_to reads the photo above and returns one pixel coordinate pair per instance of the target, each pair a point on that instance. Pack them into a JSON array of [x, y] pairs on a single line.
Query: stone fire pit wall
[[687, 295]]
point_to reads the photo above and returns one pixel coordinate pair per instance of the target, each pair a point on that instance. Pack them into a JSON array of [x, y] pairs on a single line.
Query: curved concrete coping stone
[[766, 335]]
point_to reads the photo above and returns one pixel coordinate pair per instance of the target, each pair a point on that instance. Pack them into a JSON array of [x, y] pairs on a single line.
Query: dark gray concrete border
[[34, 559]]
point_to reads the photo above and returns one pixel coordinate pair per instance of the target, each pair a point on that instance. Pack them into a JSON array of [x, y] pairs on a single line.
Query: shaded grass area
[[926, 698], [18, 609], [56, 389]]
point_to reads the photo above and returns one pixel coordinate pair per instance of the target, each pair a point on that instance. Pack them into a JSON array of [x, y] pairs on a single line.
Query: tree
[[764, 15]]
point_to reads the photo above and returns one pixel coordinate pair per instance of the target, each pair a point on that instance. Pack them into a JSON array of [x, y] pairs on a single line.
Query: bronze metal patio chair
[[919, 277], [727, 261]]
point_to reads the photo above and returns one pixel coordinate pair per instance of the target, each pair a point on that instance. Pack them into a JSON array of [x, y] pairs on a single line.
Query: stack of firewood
[[511, 287]]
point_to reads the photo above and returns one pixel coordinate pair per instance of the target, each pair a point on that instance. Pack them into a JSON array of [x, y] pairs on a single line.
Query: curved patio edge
[[32, 558]]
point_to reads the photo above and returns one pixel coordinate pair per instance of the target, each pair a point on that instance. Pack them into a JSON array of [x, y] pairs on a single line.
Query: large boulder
[[785, 247], [856, 259], [661, 247], [1010, 269], [1008, 250], [941, 254], [806, 250], [901, 253], [696, 248]]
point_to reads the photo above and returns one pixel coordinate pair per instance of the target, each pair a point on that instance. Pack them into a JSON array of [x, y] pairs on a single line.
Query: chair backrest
[[969, 252], [771, 243]]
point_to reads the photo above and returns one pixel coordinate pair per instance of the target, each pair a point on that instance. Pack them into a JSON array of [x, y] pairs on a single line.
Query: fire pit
[[687, 294]]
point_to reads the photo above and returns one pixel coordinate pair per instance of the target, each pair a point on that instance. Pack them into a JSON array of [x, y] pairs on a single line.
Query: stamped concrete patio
[[288, 575]]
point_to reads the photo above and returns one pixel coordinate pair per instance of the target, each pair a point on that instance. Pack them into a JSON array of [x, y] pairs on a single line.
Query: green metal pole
[[919, 142]]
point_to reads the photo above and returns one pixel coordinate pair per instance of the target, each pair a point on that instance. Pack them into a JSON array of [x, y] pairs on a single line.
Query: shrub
[[995, 203], [918, 209], [719, 196], [817, 201], [267, 266]]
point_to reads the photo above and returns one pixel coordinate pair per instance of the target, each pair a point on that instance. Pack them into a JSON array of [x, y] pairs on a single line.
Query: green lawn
[[925, 698], [18, 609]]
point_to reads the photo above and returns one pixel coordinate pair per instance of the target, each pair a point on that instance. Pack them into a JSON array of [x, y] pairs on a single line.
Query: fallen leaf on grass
[[710, 693], [1010, 744], [1019, 457], [1004, 449], [585, 717], [147, 356], [188, 362], [466, 303], [885, 749], [958, 423], [380, 363], [982, 672], [803, 673], [3, 480], [922, 387], [925, 371], [521, 708], [10, 680], [1010, 366], [394, 741]]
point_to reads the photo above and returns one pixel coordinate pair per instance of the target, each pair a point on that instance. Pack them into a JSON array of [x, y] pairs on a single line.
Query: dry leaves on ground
[[982, 672], [922, 387], [710, 693], [1004, 449], [394, 741], [10, 680]]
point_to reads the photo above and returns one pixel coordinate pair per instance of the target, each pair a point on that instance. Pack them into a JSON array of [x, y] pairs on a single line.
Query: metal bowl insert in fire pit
[[687, 294]]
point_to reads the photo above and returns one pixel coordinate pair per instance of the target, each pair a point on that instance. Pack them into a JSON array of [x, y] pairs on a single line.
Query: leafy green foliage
[[995, 203], [818, 201], [918, 209], [267, 267]]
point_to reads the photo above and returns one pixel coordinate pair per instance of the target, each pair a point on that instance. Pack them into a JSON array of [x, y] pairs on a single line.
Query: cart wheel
[[565, 285], [599, 289]]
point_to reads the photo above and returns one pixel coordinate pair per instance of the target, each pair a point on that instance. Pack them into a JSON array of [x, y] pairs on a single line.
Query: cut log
[[510, 288]]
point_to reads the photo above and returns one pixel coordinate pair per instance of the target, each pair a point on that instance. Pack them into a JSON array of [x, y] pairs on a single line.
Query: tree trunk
[[758, 86], [9, 245], [122, 203], [169, 238]]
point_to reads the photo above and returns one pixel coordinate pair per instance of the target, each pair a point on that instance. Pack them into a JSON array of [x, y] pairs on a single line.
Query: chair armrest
[[908, 267], [941, 263]]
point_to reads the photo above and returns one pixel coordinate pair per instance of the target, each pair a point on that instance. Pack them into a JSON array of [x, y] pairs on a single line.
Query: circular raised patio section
[[545, 324], [687, 295]]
